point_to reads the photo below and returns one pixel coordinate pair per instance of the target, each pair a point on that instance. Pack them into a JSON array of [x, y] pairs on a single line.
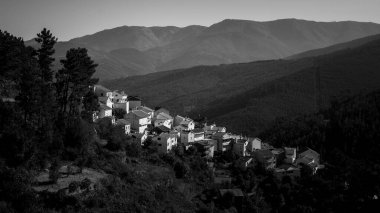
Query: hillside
[[134, 50], [337, 47], [246, 97]]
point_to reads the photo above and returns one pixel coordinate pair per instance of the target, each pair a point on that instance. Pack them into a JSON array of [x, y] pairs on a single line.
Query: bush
[[73, 186], [85, 184], [180, 169]]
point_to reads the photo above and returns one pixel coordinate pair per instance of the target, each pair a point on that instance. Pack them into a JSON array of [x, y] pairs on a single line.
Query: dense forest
[[46, 122]]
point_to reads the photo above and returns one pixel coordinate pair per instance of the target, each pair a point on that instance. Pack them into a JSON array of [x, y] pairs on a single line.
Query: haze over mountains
[[246, 97], [132, 50]]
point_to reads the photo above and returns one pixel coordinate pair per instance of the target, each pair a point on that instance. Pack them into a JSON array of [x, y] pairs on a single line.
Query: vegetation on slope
[[246, 97]]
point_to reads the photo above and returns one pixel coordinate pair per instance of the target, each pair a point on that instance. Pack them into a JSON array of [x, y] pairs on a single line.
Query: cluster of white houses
[[141, 122]]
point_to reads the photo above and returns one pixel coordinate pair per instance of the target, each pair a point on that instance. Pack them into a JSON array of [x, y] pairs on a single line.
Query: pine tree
[[47, 101], [74, 82]]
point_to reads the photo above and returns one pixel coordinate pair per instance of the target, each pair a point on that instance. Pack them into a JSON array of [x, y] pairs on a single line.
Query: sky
[[68, 19]]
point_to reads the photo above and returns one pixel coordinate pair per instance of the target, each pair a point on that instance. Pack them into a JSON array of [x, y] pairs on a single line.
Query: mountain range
[[246, 97], [135, 50]]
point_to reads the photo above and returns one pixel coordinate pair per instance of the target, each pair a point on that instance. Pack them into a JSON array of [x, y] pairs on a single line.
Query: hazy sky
[[72, 18]]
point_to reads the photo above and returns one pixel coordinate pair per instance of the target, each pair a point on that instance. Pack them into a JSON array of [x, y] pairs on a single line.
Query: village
[[142, 123]]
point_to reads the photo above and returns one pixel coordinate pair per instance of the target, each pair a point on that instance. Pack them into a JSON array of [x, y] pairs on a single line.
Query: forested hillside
[[246, 97], [347, 137]]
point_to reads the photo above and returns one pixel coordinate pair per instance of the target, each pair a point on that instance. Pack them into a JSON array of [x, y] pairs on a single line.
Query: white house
[[208, 147], [139, 120], [119, 97], [165, 141], [240, 147], [104, 111], [107, 101], [187, 137], [140, 138], [126, 125], [223, 141], [120, 100], [147, 110], [101, 91], [254, 144], [311, 154], [199, 134], [212, 129], [182, 123], [163, 119], [290, 155], [134, 102], [158, 110]]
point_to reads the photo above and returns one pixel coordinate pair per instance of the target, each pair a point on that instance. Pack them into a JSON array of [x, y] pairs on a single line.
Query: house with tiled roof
[[187, 137], [160, 129], [134, 102], [254, 144], [163, 119], [266, 158], [102, 91], [104, 111], [287, 170], [240, 147], [183, 123], [158, 110], [165, 141], [139, 120], [120, 100], [223, 141], [147, 110], [139, 138], [126, 125], [310, 158], [206, 146], [199, 134]]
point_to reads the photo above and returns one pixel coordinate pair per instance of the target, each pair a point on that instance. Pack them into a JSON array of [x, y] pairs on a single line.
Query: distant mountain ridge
[[135, 50]]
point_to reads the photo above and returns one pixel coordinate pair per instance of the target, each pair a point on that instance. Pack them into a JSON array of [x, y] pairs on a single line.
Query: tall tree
[[47, 113], [74, 82]]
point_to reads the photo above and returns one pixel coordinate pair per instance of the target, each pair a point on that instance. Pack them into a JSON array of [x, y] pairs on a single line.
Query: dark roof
[[198, 130], [123, 122], [305, 149], [102, 88], [163, 114], [145, 109], [220, 134], [162, 129], [265, 153], [134, 98]]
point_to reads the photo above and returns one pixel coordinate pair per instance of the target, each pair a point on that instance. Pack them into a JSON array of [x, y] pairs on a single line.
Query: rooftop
[[163, 115], [145, 109], [123, 122], [140, 114], [134, 98], [198, 130], [104, 107]]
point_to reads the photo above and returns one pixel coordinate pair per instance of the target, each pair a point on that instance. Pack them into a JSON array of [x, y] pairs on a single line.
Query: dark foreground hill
[[245, 97], [134, 50]]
